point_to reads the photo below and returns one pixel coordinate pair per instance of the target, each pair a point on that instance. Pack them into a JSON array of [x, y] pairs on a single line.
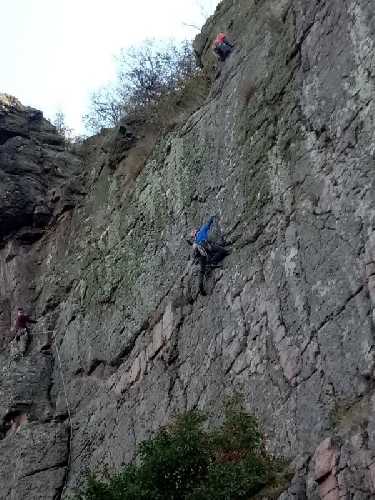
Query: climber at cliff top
[[22, 322], [222, 47]]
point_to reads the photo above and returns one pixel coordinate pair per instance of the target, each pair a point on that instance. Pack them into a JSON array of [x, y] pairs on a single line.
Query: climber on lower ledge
[[207, 253], [222, 47], [23, 320]]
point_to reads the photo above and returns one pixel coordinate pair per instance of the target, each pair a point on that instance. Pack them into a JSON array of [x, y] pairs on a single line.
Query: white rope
[[69, 416], [13, 334], [43, 332]]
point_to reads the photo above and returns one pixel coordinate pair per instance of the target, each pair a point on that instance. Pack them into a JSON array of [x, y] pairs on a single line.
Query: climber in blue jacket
[[205, 252], [200, 236]]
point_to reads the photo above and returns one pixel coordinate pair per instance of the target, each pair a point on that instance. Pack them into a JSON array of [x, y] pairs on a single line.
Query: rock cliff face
[[283, 151]]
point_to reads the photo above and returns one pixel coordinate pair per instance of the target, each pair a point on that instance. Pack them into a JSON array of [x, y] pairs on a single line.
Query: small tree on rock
[[146, 74], [61, 127]]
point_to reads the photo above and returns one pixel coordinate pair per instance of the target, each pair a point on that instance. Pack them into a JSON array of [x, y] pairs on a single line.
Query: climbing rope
[[69, 415]]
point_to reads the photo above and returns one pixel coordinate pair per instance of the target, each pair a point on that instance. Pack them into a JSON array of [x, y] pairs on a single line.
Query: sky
[[54, 53]]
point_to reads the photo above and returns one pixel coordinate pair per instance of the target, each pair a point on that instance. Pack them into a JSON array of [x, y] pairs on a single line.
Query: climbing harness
[[200, 249]]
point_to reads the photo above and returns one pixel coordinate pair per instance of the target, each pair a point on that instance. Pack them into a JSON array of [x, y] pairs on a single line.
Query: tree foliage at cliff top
[[145, 74], [188, 461]]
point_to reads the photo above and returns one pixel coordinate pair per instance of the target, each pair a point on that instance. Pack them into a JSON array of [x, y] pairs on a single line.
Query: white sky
[[53, 53]]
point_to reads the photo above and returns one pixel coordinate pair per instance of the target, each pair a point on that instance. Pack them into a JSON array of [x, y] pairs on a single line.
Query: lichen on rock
[[282, 151]]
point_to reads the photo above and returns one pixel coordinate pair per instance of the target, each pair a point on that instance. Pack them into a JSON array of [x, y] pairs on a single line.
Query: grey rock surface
[[283, 151], [33, 462], [38, 178]]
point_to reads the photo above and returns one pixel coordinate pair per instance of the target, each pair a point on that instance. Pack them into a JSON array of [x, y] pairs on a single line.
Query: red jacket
[[221, 38], [22, 321]]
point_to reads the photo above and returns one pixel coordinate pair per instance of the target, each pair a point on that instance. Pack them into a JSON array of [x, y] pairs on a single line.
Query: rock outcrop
[[283, 151], [38, 179]]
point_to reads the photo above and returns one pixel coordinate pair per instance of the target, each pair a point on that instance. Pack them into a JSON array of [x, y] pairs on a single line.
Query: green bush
[[186, 461], [240, 431]]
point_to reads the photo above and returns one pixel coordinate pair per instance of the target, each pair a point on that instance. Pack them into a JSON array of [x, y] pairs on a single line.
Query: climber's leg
[[202, 274], [219, 52], [224, 51], [23, 340], [217, 253]]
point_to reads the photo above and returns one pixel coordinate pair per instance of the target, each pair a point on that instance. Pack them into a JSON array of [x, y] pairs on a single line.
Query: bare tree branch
[[145, 74]]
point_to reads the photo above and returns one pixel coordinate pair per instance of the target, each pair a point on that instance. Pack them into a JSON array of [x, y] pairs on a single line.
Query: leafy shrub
[[186, 461], [239, 432]]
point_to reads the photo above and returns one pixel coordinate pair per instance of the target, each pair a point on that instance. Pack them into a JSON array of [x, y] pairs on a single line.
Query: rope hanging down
[[69, 416]]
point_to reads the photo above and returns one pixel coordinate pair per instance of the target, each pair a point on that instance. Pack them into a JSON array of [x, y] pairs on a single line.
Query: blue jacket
[[202, 234]]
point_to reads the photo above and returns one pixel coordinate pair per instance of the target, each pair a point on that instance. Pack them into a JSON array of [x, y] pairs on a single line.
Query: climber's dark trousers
[[24, 332], [223, 50], [216, 253], [202, 273], [21, 332]]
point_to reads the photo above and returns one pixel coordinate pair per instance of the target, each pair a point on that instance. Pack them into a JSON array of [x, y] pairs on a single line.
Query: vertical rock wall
[[283, 152]]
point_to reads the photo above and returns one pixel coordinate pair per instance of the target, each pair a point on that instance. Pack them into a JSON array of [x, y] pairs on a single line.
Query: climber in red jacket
[[222, 47], [22, 323]]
